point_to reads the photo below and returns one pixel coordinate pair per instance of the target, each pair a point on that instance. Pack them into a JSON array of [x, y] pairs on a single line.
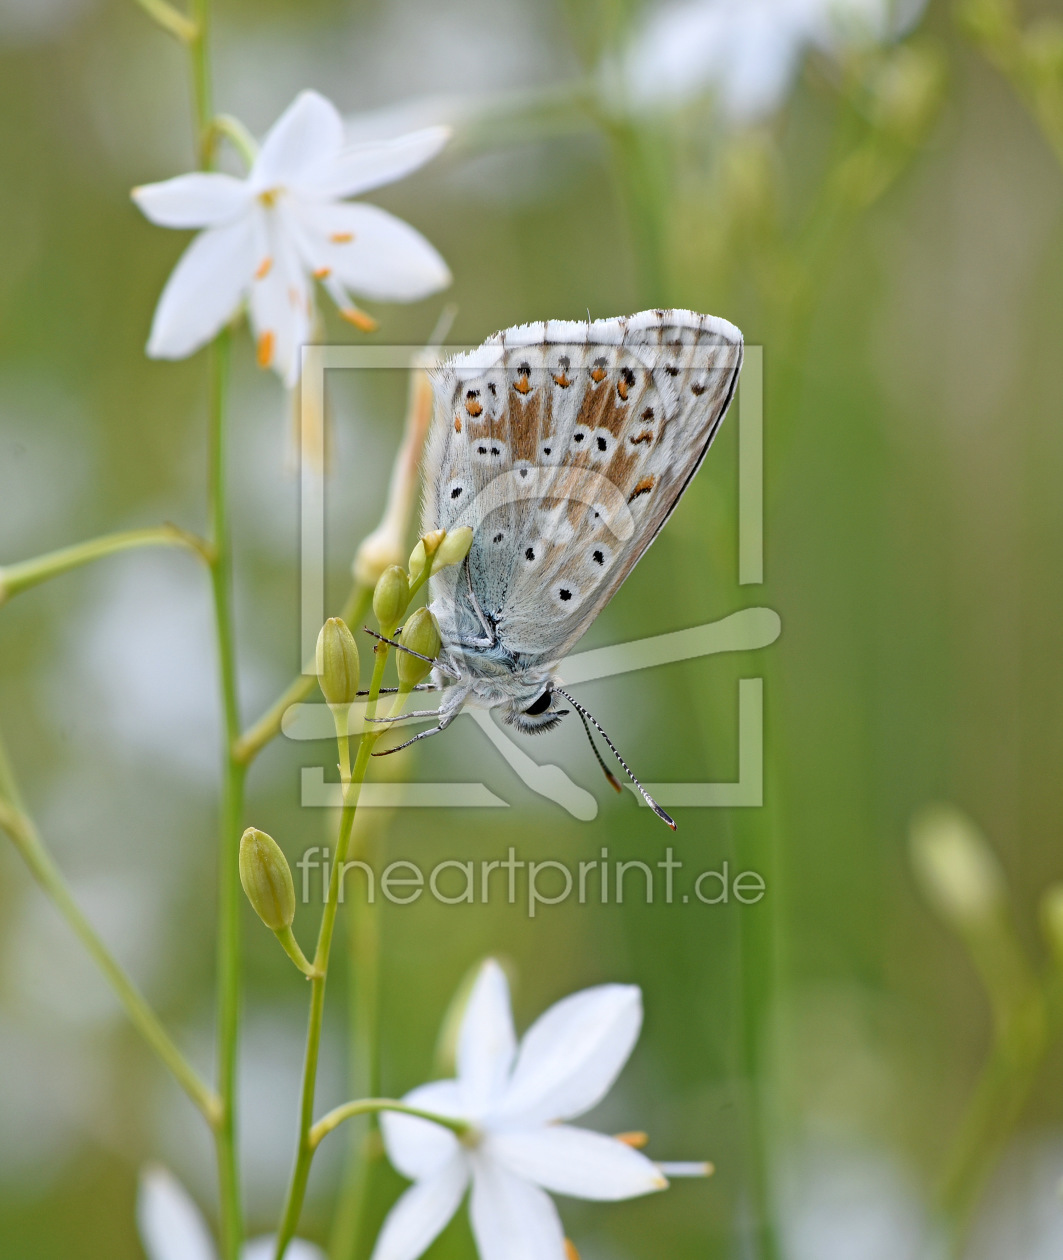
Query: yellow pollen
[[268, 198], [322, 273], [341, 238], [263, 268], [361, 321], [635, 1140], [265, 349], [570, 1250]]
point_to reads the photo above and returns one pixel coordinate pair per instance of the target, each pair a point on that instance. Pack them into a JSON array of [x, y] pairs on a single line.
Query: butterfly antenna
[[440, 665], [613, 780], [589, 717]]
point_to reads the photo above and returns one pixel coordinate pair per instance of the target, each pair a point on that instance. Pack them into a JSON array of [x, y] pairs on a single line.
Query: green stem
[[202, 96], [305, 1150], [294, 951], [170, 19], [364, 1067], [366, 1106], [1003, 1087], [19, 577], [232, 807], [19, 826], [268, 727]]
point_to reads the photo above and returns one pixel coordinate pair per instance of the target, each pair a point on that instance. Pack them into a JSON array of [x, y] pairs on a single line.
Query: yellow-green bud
[[418, 559], [390, 598], [453, 549], [420, 634], [337, 662], [267, 879], [958, 870], [426, 548], [1052, 920]]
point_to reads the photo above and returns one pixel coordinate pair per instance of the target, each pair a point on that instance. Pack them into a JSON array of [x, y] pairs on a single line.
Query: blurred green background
[[823, 1044]]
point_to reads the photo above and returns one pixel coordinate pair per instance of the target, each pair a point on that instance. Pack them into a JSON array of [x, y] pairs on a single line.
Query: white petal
[[203, 291], [486, 1041], [193, 201], [511, 1218], [419, 1148], [280, 302], [265, 1248], [373, 252], [361, 167], [571, 1055], [307, 134], [576, 1162], [419, 1216], [170, 1225]]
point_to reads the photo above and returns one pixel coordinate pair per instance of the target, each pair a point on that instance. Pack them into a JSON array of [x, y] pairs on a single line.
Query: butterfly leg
[[432, 730], [401, 717]]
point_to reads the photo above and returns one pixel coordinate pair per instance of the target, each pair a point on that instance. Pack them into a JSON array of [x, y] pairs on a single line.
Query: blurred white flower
[[171, 1227], [516, 1150], [267, 237], [747, 52]]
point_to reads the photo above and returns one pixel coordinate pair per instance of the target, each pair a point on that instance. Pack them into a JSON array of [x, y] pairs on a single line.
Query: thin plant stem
[[231, 814], [19, 826], [305, 1149], [369, 1106], [21, 576], [363, 964], [170, 19]]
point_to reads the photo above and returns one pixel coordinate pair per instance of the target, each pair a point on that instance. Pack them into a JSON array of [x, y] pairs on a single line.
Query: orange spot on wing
[[598, 375], [473, 408], [457, 424], [522, 385], [266, 342], [644, 436], [562, 380], [643, 487], [341, 238], [361, 321], [263, 269]]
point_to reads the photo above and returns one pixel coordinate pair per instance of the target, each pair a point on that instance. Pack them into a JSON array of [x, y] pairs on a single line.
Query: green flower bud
[[391, 597], [426, 548], [420, 634], [958, 870], [337, 662], [453, 549], [267, 879]]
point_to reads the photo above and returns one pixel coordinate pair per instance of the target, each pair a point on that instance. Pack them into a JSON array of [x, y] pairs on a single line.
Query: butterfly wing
[[567, 446]]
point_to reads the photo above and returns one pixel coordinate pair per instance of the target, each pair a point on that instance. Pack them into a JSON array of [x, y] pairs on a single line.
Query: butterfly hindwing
[[567, 446]]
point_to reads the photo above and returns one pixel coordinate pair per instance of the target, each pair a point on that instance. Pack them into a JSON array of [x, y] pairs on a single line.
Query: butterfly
[[566, 447]]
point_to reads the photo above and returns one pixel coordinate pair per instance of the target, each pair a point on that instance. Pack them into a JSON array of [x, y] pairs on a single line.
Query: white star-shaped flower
[[268, 237], [515, 1100], [749, 53], [171, 1227]]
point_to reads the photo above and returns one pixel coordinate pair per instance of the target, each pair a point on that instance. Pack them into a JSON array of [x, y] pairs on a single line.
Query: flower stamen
[[266, 343], [361, 321], [637, 1141], [341, 238], [570, 1250], [264, 267]]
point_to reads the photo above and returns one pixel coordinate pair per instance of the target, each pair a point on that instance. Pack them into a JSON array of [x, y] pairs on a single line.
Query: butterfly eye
[[540, 705]]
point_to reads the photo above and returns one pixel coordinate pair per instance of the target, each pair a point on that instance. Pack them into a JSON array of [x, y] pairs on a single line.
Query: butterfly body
[[565, 446]]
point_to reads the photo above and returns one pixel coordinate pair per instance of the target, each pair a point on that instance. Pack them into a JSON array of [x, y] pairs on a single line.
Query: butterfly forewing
[[566, 446]]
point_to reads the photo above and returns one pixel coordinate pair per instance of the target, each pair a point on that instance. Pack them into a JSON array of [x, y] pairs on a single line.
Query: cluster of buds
[[436, 550]]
